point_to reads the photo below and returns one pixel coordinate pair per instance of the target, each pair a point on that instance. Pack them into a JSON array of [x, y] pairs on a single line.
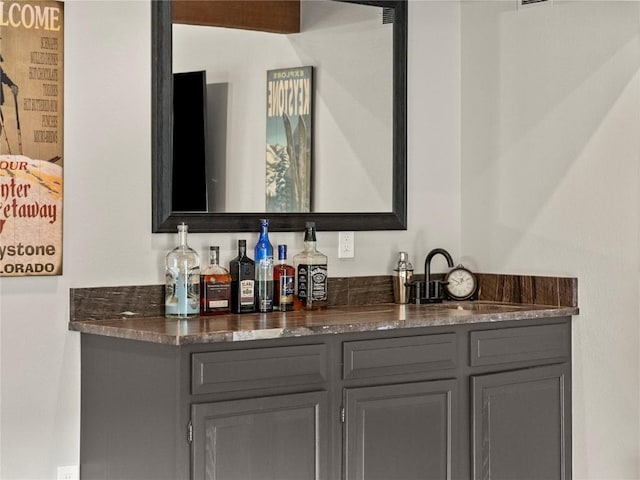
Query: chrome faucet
[[433, 289]]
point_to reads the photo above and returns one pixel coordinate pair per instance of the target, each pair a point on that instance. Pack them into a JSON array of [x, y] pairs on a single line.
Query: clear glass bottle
[[264, 269], [182, 291], [283, 282], [243, 273], [215, 286], [311, 273]]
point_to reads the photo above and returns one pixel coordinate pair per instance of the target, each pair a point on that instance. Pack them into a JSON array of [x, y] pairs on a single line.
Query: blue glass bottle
[[263, 254]]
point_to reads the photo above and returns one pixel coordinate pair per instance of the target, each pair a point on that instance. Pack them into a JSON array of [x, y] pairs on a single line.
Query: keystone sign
[[31, 137]]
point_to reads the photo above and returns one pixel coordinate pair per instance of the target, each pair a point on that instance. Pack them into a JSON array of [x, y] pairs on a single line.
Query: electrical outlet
[[69, 472], [346, 247]]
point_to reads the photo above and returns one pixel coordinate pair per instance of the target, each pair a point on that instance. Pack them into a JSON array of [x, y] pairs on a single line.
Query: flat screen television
[[189, 189]]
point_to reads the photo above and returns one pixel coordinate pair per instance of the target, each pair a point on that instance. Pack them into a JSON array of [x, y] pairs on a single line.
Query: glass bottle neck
[[182, 238], [242, 248], [309, 235]]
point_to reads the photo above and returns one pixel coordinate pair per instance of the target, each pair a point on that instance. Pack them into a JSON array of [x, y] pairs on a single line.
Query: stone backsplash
[[102, 303]]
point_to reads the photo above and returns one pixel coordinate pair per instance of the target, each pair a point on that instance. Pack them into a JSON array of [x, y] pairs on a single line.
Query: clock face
[[461, 284]]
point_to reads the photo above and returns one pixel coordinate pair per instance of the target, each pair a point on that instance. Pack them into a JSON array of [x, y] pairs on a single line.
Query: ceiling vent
[[533, 3], [389, 15]]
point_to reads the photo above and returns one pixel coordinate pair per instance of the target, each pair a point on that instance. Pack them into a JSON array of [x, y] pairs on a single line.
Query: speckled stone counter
[[336, 320], [356, 304]]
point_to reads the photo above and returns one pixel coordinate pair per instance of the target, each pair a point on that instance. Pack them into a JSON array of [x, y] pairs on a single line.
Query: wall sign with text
[[31, 137]]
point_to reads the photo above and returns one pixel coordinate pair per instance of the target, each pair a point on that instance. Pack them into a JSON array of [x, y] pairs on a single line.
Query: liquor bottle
[[215, 286], [242, 270], [283, 282], [182, 291], [311, 273], [264, 269]]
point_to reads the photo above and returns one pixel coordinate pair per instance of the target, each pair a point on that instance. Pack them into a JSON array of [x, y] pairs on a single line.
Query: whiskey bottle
[[264, 269], [242, 270], [283, 282], [311, 273], [182, 270], [215, 286]]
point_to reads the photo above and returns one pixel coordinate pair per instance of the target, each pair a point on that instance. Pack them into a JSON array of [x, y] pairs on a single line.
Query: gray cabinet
[[405, 431], [266, 438], [486, 401], [519, 423], [396, 424], [255, 435], [521, 417]]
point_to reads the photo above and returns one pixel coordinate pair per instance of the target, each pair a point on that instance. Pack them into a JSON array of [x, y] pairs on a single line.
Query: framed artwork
[[31, 137], [289, 139]]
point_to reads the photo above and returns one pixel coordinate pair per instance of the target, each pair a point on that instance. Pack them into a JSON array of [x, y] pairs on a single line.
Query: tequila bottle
[[264, 269]]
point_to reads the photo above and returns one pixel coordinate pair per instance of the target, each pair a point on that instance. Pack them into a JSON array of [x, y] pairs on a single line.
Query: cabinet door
[[521, 424], [401, 432], [269, 438]]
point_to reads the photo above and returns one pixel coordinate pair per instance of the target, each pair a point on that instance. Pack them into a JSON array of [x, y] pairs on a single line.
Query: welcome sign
[[31, 133]]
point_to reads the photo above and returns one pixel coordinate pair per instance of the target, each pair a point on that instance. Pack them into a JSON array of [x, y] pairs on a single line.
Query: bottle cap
[[282, 252], [403, 262], [310, 232]]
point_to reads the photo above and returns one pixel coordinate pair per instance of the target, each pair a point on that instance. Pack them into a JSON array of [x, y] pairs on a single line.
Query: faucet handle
[[415, 291], [439, 289]]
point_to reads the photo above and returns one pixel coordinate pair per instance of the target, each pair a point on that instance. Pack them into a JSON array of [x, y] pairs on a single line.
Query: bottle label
[[247, 294], [217, 295], [181, 294], [312, 282], [302, 282], [264, 284], [286, 290]]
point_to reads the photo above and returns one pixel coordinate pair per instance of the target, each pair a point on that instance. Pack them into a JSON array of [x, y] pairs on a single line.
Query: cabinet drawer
[[393, 356], [520, 344], [238, 370]]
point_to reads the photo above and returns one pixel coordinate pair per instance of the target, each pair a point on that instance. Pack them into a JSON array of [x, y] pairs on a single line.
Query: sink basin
[[471, 306]]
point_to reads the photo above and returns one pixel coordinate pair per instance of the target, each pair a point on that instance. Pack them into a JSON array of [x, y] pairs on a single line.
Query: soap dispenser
[[403, 275]]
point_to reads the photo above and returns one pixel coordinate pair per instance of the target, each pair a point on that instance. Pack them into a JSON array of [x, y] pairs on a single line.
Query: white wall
[[107, 239], [550, 184]]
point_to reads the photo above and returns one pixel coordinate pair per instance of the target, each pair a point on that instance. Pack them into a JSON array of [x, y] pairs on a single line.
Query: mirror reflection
[[210, 90], [351, 120]]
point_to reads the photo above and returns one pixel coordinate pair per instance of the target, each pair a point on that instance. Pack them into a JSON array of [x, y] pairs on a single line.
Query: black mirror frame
[[164, 220]]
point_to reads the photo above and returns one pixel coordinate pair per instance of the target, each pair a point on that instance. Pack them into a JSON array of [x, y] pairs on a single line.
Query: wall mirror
[[379, 169]]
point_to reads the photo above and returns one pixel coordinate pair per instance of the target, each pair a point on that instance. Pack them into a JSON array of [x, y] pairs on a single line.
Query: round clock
[[461, 284]]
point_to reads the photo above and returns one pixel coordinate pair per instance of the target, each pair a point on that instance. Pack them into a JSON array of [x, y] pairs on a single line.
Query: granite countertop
[[333, 320]]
